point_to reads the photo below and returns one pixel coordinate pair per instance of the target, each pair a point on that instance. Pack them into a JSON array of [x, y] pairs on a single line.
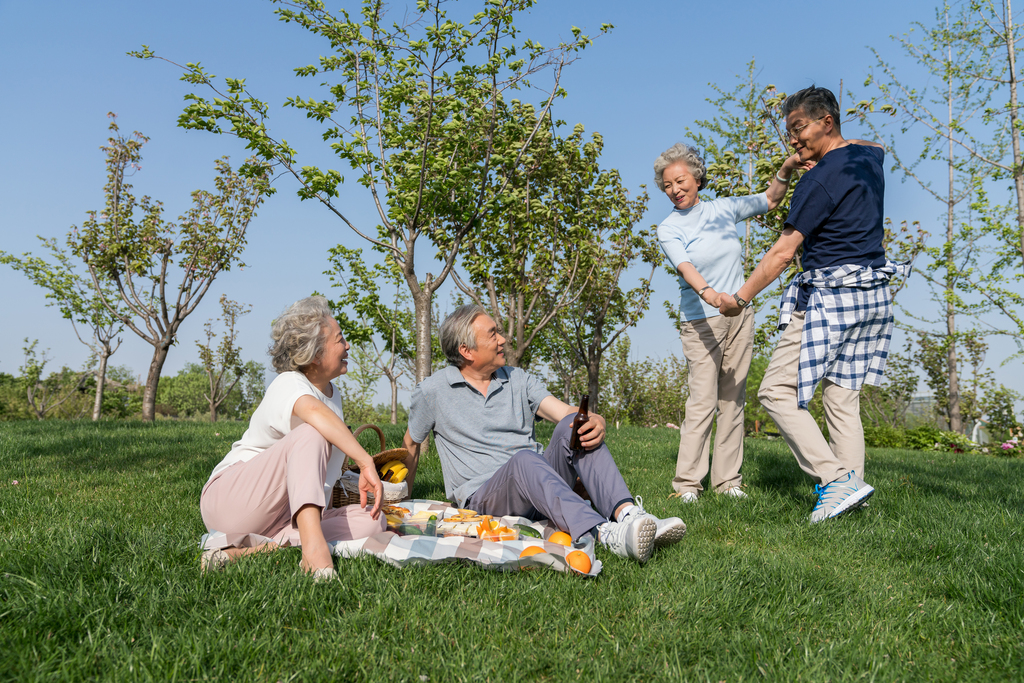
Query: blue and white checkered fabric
[[847, 326]]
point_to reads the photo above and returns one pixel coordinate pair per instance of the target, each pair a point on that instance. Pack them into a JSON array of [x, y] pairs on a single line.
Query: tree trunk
[[213, 412], [1018, 164], [153, 380], [594, 377], [955, 424], [421, 303], [394, 399], [101, 378]]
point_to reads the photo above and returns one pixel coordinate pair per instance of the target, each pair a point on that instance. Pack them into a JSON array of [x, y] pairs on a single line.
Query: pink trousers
[[261, 496]]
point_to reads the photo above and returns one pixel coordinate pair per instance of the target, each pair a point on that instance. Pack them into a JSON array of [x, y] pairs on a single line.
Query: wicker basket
[[346, 490]]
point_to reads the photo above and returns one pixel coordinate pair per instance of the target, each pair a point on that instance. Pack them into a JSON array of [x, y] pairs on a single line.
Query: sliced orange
[[561, 538], [579, 561]]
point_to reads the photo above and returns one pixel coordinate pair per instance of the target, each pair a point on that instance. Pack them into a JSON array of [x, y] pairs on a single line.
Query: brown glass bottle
[[581, 419]]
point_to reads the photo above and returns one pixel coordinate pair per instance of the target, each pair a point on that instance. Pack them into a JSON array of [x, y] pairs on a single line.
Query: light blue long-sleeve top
[[705, 235]]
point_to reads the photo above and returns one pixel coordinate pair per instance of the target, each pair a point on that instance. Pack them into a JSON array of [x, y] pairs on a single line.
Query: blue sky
[[63, 67]]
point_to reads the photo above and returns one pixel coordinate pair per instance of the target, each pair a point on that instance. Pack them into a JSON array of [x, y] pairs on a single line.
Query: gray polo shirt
[[476, 434]]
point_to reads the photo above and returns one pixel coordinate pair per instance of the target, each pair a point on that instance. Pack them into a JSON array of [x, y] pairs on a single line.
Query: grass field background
[[100, 578]]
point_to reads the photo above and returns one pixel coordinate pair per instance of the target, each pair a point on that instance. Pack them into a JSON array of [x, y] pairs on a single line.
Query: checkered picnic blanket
[[847, 327], [403, 551]]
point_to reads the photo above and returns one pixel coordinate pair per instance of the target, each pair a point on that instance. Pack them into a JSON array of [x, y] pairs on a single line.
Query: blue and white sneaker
[[842, 495]]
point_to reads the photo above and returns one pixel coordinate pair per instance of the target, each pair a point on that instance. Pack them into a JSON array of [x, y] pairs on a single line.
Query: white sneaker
[[735, 492], [632, 538], [670, 530], [688, 497]]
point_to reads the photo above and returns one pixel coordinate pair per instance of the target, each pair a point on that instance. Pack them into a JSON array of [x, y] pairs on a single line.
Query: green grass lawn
[[100, 578]]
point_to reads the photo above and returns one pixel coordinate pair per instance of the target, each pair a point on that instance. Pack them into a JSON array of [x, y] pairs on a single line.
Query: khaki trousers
[[717, 352], [824, 460], [262, 496]]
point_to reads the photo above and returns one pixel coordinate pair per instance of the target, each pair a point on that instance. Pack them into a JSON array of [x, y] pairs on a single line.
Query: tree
[[185, 393], [357, 386], [77, 301], [524, 264], [947, 51], [254, 386], [417, 109], [395, 356], [888, 404], [46, 395], [223, 365], [129, 245], [976, 46], [643, 392], [584, 330], [744, 148]]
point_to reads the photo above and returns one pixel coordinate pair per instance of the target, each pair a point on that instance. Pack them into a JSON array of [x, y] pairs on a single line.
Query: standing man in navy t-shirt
[[836, 314]]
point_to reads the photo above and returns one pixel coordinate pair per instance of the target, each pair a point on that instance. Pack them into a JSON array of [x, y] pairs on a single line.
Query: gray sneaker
[[842, 495], [669, 531], [632, 538]]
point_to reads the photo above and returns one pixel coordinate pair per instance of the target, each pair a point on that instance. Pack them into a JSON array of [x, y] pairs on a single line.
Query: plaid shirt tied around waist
[[847, 326]]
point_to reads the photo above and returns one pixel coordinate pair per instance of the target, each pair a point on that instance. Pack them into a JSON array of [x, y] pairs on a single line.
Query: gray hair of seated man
[[299, 334], [680, 152], [457, 330]]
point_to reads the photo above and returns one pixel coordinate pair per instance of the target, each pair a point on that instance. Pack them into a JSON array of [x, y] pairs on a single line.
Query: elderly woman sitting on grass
[[274, 482]]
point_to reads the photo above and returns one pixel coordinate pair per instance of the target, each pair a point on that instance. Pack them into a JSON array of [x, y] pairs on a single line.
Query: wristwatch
[[741, 301]]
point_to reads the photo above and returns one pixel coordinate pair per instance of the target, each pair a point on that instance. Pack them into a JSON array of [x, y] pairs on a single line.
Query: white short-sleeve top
[[273, 420]]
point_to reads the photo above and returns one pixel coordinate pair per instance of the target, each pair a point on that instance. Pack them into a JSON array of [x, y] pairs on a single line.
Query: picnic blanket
[[403, 551]]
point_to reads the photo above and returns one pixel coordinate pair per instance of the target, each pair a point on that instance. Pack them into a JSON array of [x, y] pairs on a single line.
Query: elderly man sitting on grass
[[482, 415]]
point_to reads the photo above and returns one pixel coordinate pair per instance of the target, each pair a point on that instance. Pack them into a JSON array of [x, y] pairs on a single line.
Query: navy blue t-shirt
[[838, 208]]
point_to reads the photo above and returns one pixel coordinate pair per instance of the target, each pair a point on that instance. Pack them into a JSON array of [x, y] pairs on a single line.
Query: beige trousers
[[824, 460], [718, 352], [261, 496]]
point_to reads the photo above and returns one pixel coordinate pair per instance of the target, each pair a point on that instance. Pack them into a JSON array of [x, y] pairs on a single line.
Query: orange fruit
[[527, 551], [561, 538], [579, 561]]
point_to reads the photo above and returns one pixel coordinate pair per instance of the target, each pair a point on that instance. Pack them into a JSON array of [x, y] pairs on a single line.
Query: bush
[[922, 438], [884, 436]]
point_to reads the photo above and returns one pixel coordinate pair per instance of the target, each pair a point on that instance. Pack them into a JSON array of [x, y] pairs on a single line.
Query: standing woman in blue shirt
[[700, 240]]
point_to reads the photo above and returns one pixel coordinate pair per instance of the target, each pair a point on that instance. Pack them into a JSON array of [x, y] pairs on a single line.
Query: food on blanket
[[465, 516], [395, 510], [409, 530], [394, 520], [493, 530], [432, 525], [561, 538], [450, 528], [527, 552], [527, 530], [579, 561], [393, 472]]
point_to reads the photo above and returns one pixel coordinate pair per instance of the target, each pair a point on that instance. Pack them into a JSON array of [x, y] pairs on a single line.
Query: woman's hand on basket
[[369, 482]]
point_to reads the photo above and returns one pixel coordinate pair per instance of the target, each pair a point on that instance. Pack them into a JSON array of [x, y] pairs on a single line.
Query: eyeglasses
[[796, 131]]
